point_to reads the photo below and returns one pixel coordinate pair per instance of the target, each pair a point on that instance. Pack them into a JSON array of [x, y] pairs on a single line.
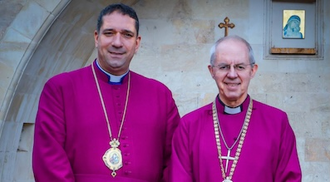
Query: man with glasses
[[234, 138]]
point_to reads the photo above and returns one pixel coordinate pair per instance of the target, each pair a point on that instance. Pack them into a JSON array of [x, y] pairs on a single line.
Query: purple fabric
[[268, 154], [71, 133]]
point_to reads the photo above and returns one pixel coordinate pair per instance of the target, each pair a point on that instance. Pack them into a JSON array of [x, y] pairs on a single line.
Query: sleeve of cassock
[[49, 160], [288, 169], [181, 170], [173, 119]]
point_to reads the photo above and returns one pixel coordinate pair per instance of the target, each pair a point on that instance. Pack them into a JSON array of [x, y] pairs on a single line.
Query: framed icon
[[293, 24], [294, 29]]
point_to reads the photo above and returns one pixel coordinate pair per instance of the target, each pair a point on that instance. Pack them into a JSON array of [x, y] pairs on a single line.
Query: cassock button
[[127, 163], [127, 154], [128, 172]]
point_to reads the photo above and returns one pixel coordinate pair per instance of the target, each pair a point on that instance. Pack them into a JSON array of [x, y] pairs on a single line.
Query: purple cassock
[[268, 153], [71, 134]]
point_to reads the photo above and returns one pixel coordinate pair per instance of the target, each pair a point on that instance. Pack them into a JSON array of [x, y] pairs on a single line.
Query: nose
[[116, 41], [232, 73]]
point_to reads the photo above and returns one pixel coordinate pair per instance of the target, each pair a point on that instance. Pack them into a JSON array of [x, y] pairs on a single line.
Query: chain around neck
[[241, 141], [104, 108], [223, 138]]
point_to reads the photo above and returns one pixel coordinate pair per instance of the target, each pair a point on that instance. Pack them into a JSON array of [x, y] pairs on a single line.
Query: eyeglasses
[[237, 67]]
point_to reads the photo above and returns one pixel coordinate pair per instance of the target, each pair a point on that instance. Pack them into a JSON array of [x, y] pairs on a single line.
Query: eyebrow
[[123, 30], [225, 64]]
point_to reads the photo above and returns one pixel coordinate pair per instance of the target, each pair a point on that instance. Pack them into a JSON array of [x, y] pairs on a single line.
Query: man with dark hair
[[105, 122]]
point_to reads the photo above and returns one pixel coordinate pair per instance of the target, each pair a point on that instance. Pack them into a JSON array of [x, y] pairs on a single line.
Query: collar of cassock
[[232, 110], [113, 79]]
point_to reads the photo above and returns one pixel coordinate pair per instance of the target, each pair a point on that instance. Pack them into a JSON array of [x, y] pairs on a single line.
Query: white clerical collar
[[113, 79], [232, 110]]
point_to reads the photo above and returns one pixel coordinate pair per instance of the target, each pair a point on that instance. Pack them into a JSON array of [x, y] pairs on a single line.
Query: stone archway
[[67, 45]]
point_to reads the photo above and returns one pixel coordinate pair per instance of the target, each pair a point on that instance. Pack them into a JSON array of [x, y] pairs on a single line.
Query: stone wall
[[23, 24]]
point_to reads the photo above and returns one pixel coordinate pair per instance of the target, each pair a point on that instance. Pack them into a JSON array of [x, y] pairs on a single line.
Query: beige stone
[[317, 150]]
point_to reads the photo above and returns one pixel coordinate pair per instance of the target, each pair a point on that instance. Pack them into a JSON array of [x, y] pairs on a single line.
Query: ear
[[254, 70], [137, 43], [211, 70], [96, 38]]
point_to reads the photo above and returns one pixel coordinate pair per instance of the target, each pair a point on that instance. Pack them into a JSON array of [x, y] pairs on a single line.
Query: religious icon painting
[[293, 24]]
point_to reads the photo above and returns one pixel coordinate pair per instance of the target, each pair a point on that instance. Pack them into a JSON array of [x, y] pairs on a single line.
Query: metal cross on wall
[[226, 25]]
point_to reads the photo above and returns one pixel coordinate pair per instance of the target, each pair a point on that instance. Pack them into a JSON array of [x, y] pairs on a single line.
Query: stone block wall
[[23, 24]]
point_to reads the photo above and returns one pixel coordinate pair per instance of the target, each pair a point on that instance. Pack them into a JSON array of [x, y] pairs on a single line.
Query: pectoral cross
[[227, 158], [226, 25]]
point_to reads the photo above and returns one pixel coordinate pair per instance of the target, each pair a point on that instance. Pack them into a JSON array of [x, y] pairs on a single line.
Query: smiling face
[[232, 71], [116, 42]]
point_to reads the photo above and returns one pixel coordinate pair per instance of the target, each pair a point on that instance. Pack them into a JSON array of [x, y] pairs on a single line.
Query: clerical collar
[[113, 79], [231, 110]]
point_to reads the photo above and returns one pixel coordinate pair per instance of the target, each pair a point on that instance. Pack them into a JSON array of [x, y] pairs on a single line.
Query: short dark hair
[[122, 8]]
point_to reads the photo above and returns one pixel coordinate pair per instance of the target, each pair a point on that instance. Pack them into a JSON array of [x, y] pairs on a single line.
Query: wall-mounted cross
[[226, 25]]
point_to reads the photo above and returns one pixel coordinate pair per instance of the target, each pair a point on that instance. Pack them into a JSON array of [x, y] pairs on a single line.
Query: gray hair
[[231, 37]]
